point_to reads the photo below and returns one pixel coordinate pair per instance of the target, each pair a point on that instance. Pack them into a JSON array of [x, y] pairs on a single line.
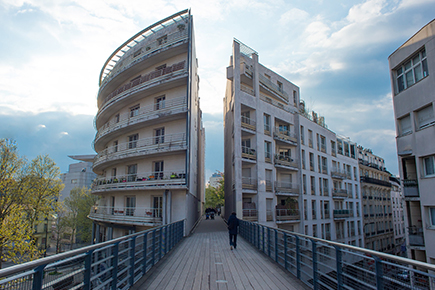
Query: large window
[[429, 168], [132, 141], [425, 117], [134, 111], [432, 216], [159, 135], [411, 71]]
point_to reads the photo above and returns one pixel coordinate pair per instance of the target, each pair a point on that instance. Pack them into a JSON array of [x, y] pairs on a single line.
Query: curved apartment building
[[150, 139]]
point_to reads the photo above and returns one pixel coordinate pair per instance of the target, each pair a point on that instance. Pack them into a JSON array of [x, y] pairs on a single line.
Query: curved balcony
[[167, 109], [286, 188], [141, 181], [141, 147], [285, 162], [285, 136], [127, 215], [146, 82]]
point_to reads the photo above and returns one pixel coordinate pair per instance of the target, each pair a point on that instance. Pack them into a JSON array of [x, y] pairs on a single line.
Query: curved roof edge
[[125, 44], [85, 158]]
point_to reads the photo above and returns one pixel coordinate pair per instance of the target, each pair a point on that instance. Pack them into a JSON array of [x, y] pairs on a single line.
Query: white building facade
[[150, 139], [412, 68]]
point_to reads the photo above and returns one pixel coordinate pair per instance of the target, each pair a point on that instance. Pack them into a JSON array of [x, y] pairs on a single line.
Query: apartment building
[[376, 201], [284, 168], [215, 179], [412, 81], [150, 138], [397, 204], [79, 174], [261, 144]]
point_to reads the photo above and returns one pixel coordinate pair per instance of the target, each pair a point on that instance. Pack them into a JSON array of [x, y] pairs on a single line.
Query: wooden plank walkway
[[204, 260]]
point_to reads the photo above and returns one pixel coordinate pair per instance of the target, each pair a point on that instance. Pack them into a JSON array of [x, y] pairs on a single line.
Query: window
[[266, 119], [311, 161], [340, 147], [302, 135], [160, 103], [310, 138], [333, 152], [313, 185], [304, 183], [114, 172], [132, 141], [130, 204], [279, 86], [117, 118], [115, 146], [137, 52], [246, 117], [267, 151], [158, 170], [134, 111], [432, 215], [132, 172], [425, 117], [295, 99], [411, 71], [429, 168], [303, 159], [159, 136], [162, 40]]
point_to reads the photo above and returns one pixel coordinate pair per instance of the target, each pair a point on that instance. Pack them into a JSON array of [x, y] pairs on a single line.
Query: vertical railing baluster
[[285, 251], [339, 267], [298, 258], [144, 262], [314, 260], [379, 273], [38, 277], [276, 246], [154, 248], [87, 273], [115, 266], [268, 242], [160, 243], [132, 259]]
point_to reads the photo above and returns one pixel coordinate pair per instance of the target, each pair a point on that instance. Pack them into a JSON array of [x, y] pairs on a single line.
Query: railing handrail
[[416, 263], [47, 260], [143, 174]]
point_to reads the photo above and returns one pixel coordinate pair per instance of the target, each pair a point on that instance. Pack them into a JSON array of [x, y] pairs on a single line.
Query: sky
[[335, 51]]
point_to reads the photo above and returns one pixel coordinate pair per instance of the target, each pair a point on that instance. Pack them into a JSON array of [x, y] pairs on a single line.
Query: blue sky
[[335, 51]]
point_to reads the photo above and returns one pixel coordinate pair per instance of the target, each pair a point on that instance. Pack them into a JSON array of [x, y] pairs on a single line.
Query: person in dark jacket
[[233, 224]]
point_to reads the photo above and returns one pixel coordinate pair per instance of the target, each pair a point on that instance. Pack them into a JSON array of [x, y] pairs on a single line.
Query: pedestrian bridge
[[265, 258]]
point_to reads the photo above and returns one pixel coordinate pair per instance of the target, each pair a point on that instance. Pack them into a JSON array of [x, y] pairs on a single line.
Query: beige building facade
[[150, 138]]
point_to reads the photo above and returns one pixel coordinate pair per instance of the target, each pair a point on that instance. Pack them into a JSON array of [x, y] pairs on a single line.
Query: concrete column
[[97, 236]]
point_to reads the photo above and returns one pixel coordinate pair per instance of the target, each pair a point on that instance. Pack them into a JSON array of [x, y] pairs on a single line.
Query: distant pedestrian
[[233, 224], [219, 211]]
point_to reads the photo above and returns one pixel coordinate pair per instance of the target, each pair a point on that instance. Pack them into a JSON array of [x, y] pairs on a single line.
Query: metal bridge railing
[[115, 264], [323, 264]]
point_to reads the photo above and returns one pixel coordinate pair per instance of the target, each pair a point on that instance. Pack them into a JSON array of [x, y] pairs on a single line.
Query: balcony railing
[[145, 146], [285, 135], [410, 188], [285, 161], [323, 264], [247, 90], [342, 213], [141, 180], [249, 153], [158, 110], [273, 87], [286, 188], [146, 80], [249, 183], [340, 193], [287, 214], [337, 173], [416, 237], [274, 103], [151, 47], [248, 123], [141, 215], [376, 181], [115, 264], [250, 214]]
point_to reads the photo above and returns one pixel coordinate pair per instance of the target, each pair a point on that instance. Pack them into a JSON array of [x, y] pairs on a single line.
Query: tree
[[215, 197], [78, 204], [27, 193], [61, 226]]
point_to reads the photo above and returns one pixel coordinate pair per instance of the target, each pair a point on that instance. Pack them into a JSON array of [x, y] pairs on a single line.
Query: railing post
[[314, 247], [38, 277], [132, 259], [379, 273], [285, 251], [339, 264], [160, 243], [268, 242], [258, 236], [87, 273], [144, 262], [115, 266], [264, 241], [154, 247], [298, 258], [276, 246], [166, 241]]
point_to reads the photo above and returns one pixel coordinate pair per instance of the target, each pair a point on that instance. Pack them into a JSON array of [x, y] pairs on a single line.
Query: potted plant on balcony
[[115, 180], [151, 177], [173, 175]]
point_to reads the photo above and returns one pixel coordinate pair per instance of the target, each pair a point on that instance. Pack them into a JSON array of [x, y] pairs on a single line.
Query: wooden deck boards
[[204, 261]]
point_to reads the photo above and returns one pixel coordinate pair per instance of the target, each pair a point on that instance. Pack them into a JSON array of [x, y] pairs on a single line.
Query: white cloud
[[366, 11], [294, 16]]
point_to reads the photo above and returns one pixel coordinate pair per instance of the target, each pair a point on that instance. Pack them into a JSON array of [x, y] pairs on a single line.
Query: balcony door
[[157, 206], [159, 135], [158, 170], [130, 205]]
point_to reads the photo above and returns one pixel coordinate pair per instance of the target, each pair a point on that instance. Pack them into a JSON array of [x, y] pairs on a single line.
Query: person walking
[[233, 224]]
